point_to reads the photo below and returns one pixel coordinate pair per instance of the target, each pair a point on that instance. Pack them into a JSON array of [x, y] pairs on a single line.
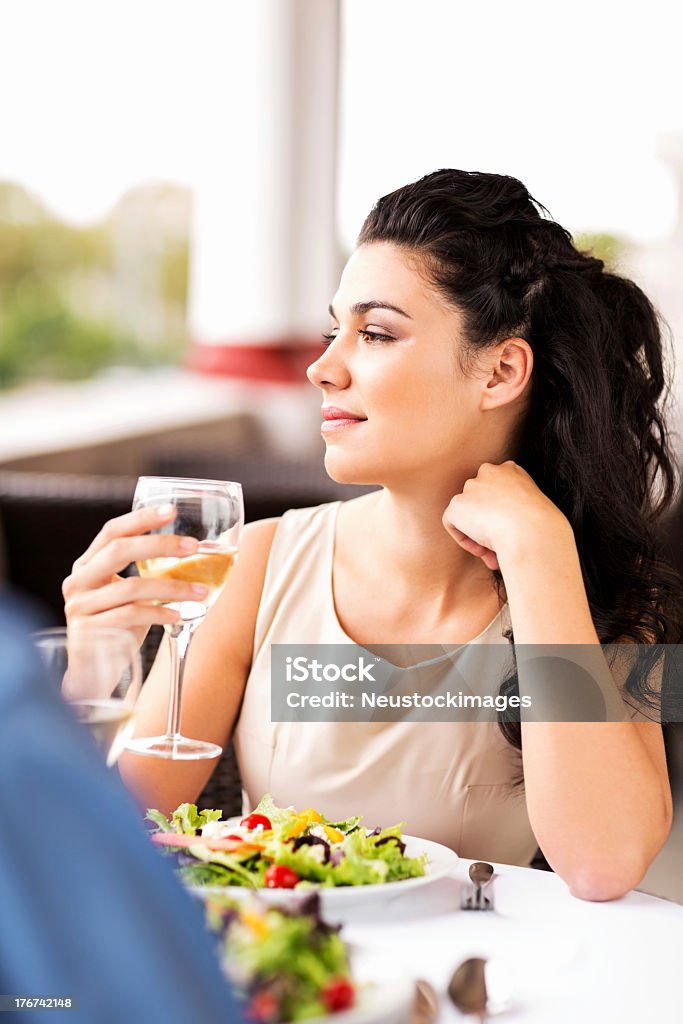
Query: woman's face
[[396, 370]]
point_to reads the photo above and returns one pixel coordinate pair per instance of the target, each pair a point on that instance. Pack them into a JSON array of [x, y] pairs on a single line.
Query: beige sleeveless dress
[[453, 782]]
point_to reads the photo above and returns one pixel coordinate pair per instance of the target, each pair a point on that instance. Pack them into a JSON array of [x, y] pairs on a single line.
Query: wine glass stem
[[179, 635]]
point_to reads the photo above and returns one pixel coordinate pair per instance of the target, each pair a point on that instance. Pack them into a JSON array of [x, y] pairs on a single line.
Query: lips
[[335, 419], [332, 412]]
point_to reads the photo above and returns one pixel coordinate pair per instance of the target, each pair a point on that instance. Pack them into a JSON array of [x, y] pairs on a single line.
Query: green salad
[[285, 965], [281, 848]]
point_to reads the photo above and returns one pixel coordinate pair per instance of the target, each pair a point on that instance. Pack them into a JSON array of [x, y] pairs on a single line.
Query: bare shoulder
[[254, 551], [257, 537]]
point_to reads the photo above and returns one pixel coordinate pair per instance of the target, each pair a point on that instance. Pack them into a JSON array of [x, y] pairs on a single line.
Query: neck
[[410, 543]]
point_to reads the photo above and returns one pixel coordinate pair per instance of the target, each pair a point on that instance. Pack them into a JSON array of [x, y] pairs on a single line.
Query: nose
[[330, 369]]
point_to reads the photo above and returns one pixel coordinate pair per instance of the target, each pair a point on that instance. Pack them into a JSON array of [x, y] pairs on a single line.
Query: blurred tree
[[42, 338], [62, 310], [606, 247]]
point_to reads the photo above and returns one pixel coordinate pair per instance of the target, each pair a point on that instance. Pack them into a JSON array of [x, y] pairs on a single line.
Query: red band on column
[[282, 361]]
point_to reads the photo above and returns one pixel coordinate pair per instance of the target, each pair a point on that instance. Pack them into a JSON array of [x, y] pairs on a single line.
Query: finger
[[122, 551], [130, 617], [472, 546], [487, 555], [455, 533], [142, 520], [132, 590], [490, 560]]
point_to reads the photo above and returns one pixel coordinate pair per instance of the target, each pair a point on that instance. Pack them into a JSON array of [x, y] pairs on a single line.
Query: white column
[[656, 267], [265, 259], [671, 152]]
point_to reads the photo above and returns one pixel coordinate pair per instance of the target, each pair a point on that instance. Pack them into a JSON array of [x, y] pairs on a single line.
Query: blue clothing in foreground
[[87, 907]]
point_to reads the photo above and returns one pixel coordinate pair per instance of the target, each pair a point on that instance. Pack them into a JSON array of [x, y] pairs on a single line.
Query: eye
[[373, 338]]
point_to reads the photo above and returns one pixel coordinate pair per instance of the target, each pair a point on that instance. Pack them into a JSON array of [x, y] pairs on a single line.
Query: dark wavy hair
[[594, 439]]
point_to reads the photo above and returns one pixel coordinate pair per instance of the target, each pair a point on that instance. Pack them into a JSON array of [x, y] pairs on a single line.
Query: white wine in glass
[[211, 511], [209, 566], [99, 673]]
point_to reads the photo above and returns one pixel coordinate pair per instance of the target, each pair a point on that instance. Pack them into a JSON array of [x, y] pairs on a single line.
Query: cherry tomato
[[263, 1008], [338, 994], [252, 820], [278, 876]]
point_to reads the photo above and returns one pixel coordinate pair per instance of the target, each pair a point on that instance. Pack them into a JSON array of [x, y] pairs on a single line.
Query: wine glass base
[[176, 748]]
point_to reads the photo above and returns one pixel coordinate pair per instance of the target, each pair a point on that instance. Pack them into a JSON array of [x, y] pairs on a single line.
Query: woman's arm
[[218, 664], [597, 793]]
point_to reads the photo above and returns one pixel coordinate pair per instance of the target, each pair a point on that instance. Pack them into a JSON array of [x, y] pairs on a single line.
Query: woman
[[501, 387]]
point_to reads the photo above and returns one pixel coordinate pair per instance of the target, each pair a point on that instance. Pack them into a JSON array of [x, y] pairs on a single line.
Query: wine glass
[[99, 673], [212, 511]]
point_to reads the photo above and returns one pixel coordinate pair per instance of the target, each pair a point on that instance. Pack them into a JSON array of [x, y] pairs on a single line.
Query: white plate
[[441, 861]]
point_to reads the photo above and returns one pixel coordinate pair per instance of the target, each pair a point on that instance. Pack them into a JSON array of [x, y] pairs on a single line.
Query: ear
[[508, 371]]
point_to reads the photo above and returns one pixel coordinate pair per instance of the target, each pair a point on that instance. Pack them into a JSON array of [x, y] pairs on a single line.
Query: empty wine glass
[[211, 511], [99, 672]]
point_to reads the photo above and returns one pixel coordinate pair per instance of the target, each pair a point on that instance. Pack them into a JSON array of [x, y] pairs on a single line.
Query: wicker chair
[[47, 520], [224, 788]]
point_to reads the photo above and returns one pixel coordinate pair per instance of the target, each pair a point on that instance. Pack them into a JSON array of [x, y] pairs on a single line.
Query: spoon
[[467, 987], [481, 874], [425, 1008]]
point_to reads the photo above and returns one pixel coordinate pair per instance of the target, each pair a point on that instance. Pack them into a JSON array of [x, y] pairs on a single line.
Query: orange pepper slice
[[312, 816]]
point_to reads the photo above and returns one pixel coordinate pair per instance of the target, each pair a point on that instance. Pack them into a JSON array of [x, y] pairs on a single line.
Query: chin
[[350, 470]]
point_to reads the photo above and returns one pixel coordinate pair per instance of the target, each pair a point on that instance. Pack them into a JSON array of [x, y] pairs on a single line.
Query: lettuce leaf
[[366, 863], [276, 815], [159, 819], [346, 826], [188, 820], [237, 873]]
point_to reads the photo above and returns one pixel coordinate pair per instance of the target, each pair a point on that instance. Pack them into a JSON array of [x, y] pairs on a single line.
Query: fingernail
[[187, 544], [200, 589], [165, 510]]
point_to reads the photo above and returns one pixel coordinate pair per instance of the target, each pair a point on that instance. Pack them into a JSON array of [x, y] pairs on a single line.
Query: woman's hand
[[500, 509], [95, 594]]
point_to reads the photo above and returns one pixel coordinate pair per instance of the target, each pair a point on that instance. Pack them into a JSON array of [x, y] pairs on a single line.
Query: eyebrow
[[361, 308]]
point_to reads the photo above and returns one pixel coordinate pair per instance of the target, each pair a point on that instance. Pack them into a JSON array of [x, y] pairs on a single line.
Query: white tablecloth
[[567, 959]]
